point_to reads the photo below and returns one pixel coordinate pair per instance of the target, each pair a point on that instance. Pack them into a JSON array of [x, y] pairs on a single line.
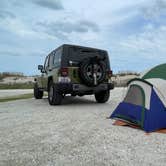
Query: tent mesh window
[[134, 96]]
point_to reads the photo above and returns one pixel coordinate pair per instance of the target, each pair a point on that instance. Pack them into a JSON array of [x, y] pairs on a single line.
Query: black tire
[[38, 94], [103, 96], [54, 96], [86, 72]]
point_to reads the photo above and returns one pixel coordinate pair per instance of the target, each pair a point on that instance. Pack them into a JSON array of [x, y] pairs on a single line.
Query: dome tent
[[145, 102]]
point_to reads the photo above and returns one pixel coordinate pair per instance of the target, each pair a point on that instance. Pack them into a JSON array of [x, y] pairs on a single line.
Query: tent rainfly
[[145, 102]]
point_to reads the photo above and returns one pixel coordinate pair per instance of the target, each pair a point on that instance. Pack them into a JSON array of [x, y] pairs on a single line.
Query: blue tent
[[145, 102]]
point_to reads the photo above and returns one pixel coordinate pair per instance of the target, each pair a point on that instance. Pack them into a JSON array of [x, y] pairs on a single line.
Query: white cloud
[[150, 43], [126, 28], [154, 9]]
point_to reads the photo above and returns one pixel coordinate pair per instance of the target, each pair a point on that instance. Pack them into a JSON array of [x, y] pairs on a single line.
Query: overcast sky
[[133, 32]]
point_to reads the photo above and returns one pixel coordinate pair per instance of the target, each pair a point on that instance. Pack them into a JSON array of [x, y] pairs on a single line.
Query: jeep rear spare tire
[[92, 73]]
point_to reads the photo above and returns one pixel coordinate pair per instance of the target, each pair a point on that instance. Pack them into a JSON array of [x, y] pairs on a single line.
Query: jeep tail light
[[64, 72], [110, 73]]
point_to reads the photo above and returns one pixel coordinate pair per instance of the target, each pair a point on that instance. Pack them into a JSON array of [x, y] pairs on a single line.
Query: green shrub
[[125, 73]]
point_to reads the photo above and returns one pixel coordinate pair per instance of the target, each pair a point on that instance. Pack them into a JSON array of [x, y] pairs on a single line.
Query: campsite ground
[[76, 133], [9, 93]]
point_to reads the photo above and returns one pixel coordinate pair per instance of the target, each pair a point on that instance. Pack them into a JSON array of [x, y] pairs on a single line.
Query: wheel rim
[[51, 92], [98, 71]]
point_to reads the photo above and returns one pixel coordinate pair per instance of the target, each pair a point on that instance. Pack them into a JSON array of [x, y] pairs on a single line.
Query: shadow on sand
[[69, 100]]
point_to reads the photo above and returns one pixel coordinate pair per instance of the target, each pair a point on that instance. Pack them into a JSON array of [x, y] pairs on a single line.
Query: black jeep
[[74, 70]]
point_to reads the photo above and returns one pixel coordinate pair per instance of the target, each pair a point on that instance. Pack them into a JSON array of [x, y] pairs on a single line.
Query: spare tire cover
[[87, 70]]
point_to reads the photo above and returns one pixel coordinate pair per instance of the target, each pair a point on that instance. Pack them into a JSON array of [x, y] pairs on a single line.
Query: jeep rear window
[[78, 54]]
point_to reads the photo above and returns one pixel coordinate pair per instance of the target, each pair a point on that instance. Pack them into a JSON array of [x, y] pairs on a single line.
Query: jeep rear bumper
[[68, 88]]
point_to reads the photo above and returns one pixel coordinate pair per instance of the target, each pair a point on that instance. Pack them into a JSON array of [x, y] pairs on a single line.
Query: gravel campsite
[[76, 133]]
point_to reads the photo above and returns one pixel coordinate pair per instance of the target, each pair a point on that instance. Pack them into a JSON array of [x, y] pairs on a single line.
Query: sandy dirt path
[[14, 92], [76, 133]]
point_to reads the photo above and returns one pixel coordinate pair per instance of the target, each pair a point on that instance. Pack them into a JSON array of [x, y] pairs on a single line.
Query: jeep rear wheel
[[38, 94], [103, 96], [54, 96]]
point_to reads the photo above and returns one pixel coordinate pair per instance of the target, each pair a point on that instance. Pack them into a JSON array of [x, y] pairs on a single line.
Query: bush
[[125, 73], [1, 77], [11, 74]]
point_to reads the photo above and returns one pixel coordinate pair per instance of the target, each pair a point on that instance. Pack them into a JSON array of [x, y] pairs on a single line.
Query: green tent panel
[[156, 72]]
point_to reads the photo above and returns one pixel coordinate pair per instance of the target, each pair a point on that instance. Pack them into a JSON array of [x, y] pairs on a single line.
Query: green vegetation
[[18, 97], [14, 85], [17, 86], [126, 73], [10, 74]]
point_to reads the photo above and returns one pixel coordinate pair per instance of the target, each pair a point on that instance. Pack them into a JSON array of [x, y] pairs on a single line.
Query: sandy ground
[[14, 92], [119, 80], [76, 133], [122, 80]]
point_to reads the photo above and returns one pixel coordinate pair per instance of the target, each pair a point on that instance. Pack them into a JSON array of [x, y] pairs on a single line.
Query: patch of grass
[[18, 97], [17, 86]]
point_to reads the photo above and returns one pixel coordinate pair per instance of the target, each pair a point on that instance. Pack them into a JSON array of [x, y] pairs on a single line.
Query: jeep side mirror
[[41, 68]]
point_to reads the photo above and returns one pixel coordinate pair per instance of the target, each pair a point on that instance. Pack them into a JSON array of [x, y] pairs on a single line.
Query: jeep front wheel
[[38, 94], [103, 96], [54, 96]]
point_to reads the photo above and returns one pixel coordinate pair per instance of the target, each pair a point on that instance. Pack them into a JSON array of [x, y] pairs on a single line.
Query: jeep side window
[[50, 63], [57, 58], [46, 64]]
